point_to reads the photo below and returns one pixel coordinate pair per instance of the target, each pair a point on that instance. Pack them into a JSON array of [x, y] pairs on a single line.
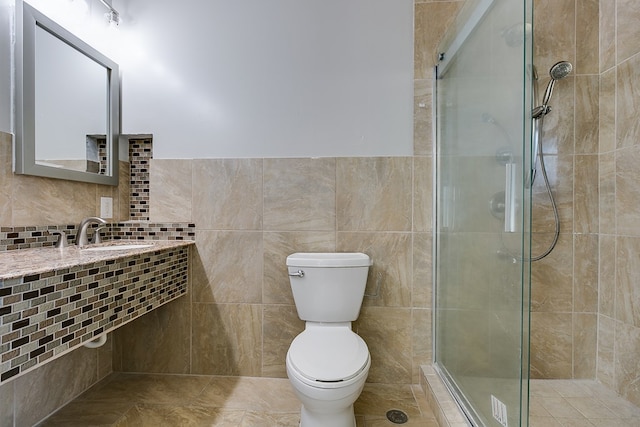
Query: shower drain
[[397, 417]]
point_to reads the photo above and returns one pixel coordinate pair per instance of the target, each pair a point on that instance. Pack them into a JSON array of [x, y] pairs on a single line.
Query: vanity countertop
[[26, 262]]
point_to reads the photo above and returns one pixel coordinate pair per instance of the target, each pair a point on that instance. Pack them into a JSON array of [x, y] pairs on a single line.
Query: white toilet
[[328, 363]]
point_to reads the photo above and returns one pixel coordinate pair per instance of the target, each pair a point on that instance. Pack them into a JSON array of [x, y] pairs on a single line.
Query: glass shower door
[[483, 155]]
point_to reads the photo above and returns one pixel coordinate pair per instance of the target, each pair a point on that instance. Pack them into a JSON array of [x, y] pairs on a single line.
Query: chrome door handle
[[299, 273]]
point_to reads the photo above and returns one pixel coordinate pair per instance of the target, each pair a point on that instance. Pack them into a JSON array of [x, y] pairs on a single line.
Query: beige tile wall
[[252, 213], [585, 297], [618, 363], [565, 284]]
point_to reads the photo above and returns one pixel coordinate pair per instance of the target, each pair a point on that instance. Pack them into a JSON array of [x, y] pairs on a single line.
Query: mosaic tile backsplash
[[13, 238], [47, 314]]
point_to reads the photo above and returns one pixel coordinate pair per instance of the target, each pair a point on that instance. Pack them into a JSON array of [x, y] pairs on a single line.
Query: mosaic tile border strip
[[31, 237], [150, 231], [45, 315], [140, 154]]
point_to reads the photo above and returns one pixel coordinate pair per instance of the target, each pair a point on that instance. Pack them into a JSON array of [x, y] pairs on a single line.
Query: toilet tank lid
[[329, 259]]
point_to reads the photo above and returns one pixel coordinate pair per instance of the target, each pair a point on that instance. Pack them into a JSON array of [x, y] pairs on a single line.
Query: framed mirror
[[67, 104]]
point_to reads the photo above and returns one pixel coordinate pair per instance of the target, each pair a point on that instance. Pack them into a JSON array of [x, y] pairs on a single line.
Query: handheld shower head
[[559, 71]]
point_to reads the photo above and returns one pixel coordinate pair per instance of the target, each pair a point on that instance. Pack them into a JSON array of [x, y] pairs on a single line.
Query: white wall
[[255, 78], [6, 63], [278, 78]]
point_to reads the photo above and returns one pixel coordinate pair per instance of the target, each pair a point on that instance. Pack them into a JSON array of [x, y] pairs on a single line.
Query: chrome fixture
[[559, 71], [82, 239], [112, 16], [61, 243]]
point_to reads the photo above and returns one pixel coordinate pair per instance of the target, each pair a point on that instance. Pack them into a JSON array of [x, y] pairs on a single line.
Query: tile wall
[[564, 295], [252, 213], [619, 164], [585, 295]]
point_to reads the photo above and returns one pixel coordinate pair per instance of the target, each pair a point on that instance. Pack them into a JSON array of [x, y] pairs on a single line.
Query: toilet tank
[[328, 287]]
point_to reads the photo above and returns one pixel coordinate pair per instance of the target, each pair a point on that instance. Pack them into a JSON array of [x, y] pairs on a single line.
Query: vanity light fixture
[[112, 16]]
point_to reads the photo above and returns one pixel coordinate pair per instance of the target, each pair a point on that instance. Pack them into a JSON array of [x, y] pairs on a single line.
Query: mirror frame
[[27, 20]]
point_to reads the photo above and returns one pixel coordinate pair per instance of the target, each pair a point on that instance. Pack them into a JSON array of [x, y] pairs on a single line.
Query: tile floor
[[578, 403], [124, 400]]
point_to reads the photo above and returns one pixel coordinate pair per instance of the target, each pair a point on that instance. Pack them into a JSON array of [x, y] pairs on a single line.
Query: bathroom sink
[[125, 247]]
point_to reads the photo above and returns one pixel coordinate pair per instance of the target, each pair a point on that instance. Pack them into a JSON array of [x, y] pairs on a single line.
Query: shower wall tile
[[607, 111], [299, 194], [559, 131], [387, 332], [555, 32], [422, 270], [607, 272], [228, 194], [587, 37], [587, 114], [280, 326], [431, 21], [627, 372], [277, 247], [606, 351], [585, 344], [628, 102], [627, 277], [627, 191], [607, 34], [170, 190], [158, 342], [552, 277], [586, 194], [391, 269], [585, 274], [422, 117], [228, 268], [560, 170], [551, 345], [421, 347], [374, 194], [227, 339], [619, 299], [607, 193], [422, 194], [627, 30]]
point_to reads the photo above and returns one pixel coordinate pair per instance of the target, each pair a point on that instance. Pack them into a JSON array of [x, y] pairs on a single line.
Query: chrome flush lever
[[299, 273]]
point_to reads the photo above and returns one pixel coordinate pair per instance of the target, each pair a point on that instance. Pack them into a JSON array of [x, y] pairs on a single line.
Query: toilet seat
[[330, 355]]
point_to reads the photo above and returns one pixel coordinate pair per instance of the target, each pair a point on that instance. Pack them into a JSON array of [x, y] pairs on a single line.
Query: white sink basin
[[126, 247]]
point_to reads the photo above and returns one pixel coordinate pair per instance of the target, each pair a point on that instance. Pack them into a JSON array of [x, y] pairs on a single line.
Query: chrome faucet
[[82, 238]]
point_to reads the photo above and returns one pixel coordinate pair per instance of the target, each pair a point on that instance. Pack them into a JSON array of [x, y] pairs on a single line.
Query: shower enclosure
[[482, 222]]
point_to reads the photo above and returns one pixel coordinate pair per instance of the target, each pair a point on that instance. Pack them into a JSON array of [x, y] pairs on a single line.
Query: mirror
[[67, 104]]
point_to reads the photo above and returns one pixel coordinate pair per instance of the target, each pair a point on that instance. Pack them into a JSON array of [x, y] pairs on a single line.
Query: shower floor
[[552, 403], [584, 403]]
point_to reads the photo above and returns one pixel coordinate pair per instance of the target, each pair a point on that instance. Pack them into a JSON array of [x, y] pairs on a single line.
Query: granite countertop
[[25, 262]]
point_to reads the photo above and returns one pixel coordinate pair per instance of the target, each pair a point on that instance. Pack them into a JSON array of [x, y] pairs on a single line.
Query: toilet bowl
[[327, 364]]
